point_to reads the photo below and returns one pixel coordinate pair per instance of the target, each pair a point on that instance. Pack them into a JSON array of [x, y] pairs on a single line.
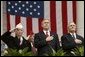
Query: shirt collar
[[73, 34], [46, 31]]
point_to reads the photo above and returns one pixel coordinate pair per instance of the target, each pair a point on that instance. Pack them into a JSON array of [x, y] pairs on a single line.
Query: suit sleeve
[[39, 42], [6, 37], [66, 44], [82, 39], [28, 45], [57, 42]]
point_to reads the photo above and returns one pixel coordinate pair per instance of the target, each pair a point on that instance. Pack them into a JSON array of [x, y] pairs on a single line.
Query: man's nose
[[72, 27]]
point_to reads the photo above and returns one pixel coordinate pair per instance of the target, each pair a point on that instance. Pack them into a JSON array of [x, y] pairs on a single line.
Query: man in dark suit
[[45, 41], [17, 42], [71, 40]]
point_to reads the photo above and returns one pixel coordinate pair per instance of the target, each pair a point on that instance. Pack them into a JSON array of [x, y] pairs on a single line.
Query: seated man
[[72, 39], [45, 41], [17, 42]]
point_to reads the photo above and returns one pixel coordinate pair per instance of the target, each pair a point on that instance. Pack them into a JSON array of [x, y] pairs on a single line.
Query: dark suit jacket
[[13, 42], [41, 44], [68, 42]]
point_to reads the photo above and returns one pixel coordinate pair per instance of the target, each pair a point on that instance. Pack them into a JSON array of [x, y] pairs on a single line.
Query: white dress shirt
[[21, 41]]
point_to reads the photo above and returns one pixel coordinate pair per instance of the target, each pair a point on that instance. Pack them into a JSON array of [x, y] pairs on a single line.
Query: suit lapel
[[42, 35], [69, 37], [52, 41], [23, 42], [17, 41], [77, 36], [51, 34]]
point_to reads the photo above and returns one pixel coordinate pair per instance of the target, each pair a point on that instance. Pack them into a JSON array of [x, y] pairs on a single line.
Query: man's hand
[[78, 41], [12, 30], [30, 38], [49, 38]]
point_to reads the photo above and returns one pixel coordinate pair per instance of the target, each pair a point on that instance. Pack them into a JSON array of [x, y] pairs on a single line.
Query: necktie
[[73, 36], [47, 34]]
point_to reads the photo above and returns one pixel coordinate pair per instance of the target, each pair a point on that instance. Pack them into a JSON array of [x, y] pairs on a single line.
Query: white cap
[[19, 26]]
